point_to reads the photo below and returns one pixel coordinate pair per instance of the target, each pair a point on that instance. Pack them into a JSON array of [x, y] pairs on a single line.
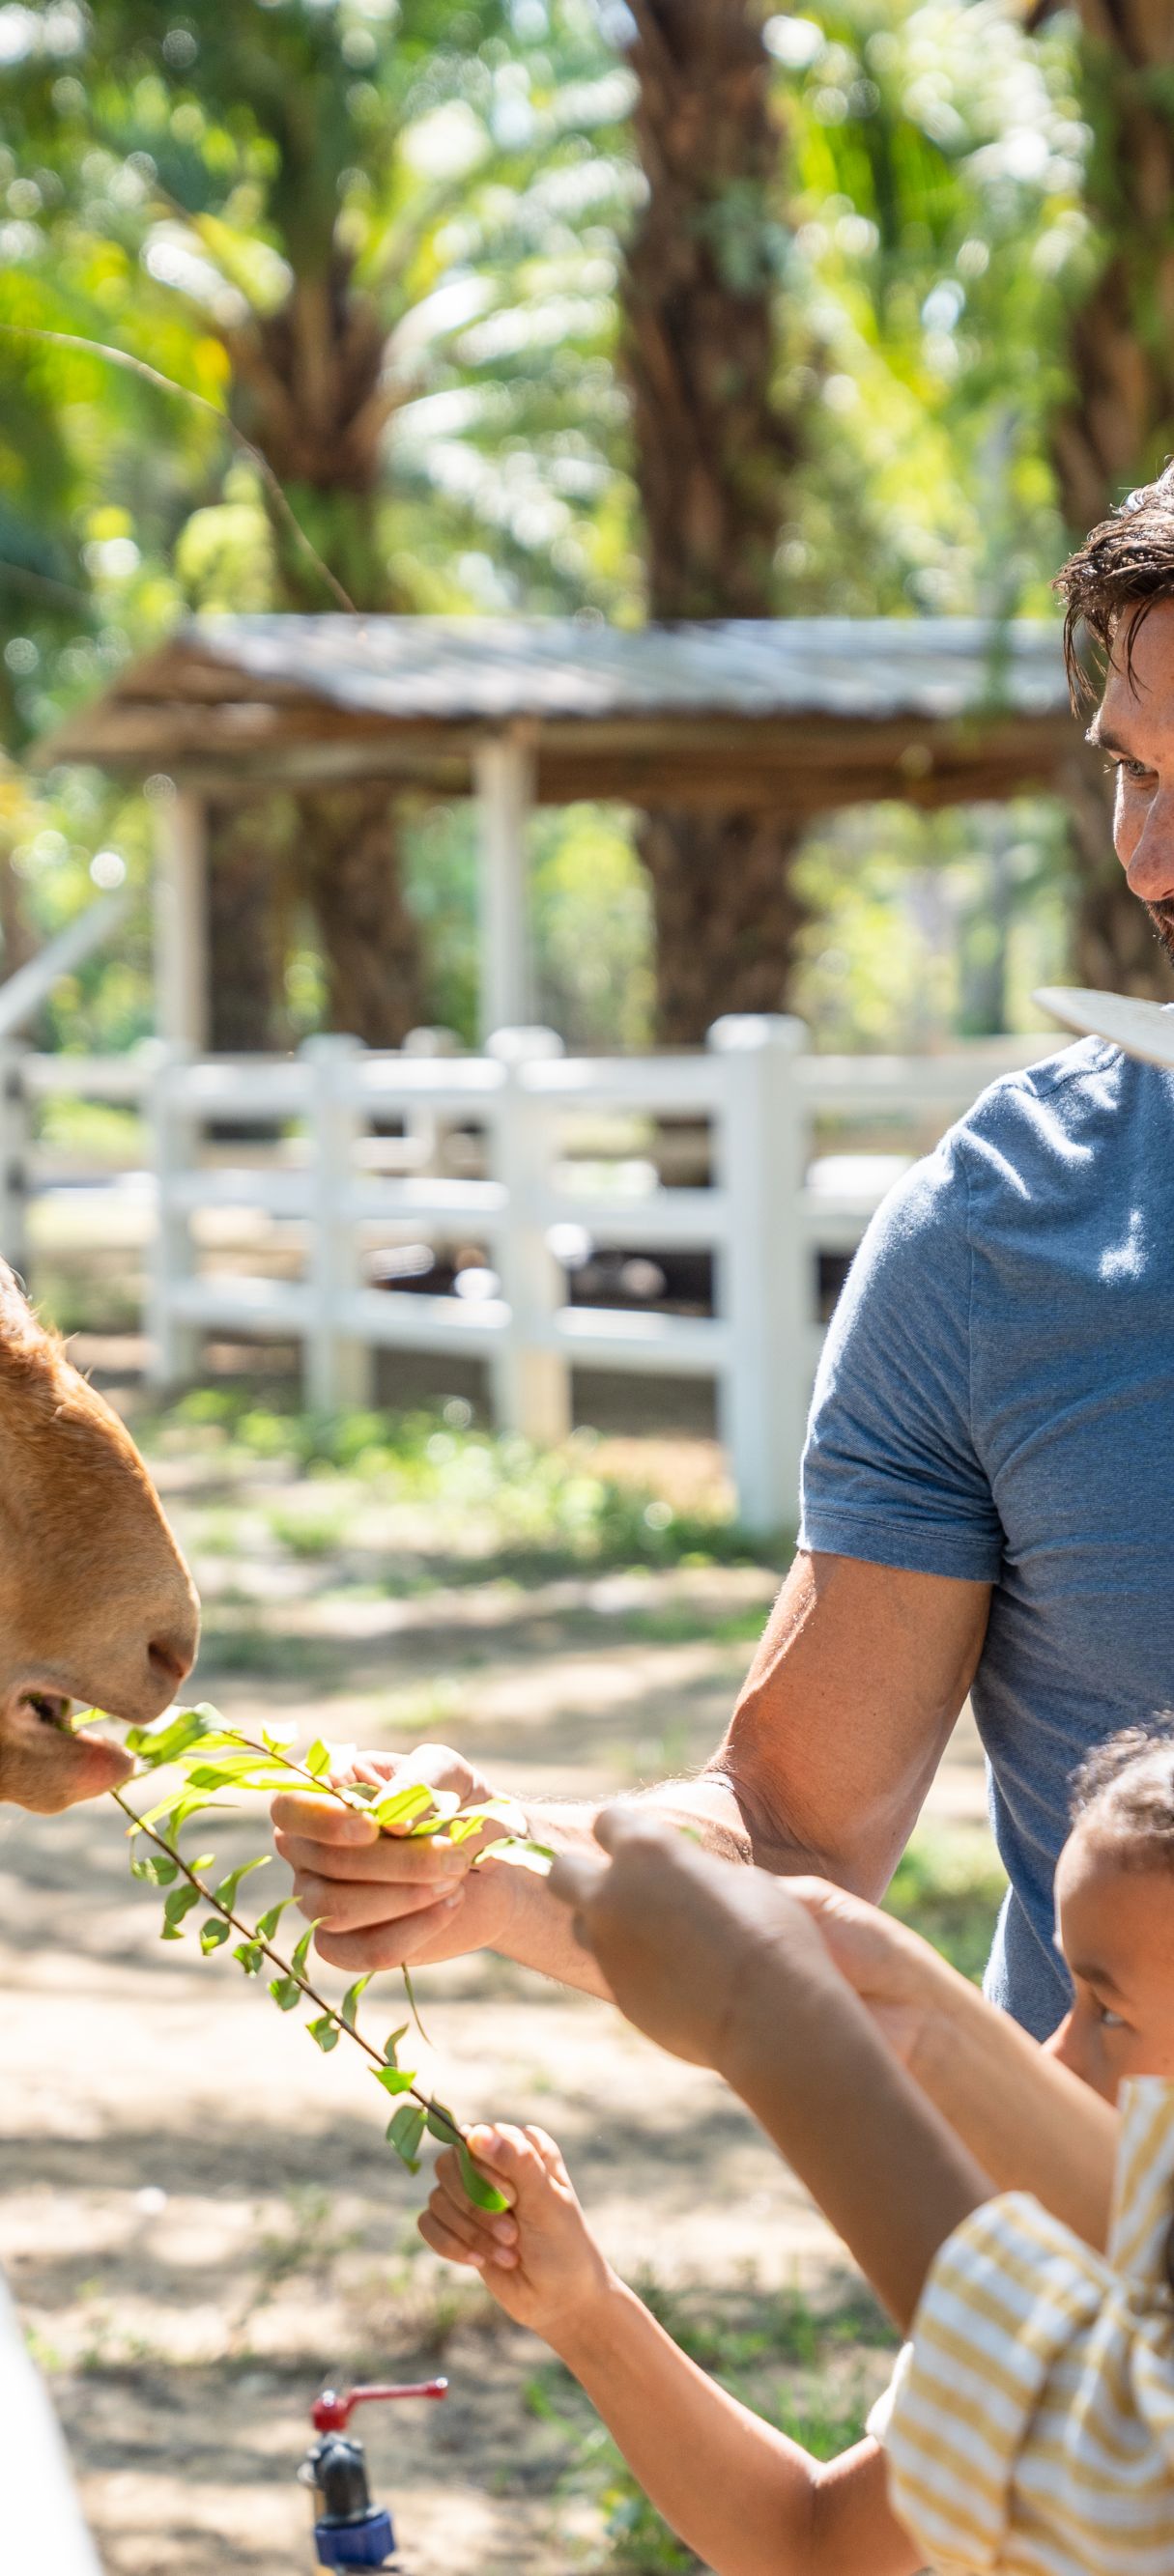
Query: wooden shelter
[[795, 715]]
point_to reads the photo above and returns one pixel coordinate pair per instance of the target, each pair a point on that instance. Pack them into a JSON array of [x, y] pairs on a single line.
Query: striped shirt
[[1032, 2425]]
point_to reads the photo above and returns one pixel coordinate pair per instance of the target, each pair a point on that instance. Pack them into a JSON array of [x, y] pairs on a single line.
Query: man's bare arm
[[838, 1731]]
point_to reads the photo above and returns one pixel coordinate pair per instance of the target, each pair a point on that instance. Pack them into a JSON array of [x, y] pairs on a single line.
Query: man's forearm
[[537, 1932]]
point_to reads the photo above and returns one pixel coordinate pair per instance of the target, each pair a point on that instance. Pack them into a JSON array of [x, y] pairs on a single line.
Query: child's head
[[1115, 1911]]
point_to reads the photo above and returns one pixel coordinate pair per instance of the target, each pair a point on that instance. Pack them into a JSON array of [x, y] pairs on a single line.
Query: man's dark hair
[[1126, 1787], [1124, 567]]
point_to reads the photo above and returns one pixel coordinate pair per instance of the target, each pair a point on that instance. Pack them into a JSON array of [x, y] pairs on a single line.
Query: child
[[1032, 2420]]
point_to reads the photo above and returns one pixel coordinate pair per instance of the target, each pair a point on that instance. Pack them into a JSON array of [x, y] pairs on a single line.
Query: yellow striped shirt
[[1032, 2424]]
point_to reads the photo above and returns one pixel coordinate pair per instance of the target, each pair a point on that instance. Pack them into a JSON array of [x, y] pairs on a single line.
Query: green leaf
[[325, 2031], [318, 1758], [394, 2079], [442, 2125], [302, 1950], [157, 1870], [402, 1806], [180, 1902], [158, 1744], [391, 2046], [404, 2131], [225, 1894], [518, 1854], [285, 1992], [350, 2001], [251, 1956], [410, 1992], [267, 1923], [278, 1739], [483, 2193], [213, 1934], [491, 1811]]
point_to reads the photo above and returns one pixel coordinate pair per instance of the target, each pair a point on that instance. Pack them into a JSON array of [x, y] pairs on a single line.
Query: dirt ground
[[198, 2214]]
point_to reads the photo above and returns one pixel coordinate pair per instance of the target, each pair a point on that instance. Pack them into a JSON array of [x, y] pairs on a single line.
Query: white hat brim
[[1143, 1029]]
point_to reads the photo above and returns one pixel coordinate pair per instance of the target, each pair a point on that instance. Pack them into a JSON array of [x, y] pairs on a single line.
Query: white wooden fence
[[773, 1204]]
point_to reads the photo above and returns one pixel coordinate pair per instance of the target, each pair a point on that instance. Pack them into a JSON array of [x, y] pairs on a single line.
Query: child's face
[[1115, 1927]]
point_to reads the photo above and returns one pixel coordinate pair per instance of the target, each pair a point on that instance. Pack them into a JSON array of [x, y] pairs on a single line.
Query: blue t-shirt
[[995, 1400]]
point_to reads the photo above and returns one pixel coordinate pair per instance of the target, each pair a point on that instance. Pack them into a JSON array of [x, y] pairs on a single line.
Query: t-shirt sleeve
[[890, 1469]]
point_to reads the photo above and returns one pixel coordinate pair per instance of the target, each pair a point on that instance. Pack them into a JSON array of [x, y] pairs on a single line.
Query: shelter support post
[[504, 779], [764, 1267], [181, 922], [531, 1377]]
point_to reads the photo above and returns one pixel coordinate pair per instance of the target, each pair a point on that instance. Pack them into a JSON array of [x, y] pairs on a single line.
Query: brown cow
[[96, 1604]]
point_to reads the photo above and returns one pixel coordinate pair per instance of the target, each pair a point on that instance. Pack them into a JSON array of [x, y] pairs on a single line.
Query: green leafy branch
[[215, 1758]]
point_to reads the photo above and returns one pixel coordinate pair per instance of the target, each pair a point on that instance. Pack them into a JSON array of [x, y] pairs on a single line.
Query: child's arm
[[720, 1965], [750, 2502], [1030, 2124]]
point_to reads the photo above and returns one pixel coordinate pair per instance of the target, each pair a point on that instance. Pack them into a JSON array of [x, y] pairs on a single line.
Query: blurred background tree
[[575, 306]]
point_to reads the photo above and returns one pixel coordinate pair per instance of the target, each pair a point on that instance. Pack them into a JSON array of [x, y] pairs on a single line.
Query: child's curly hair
[[1126, 1786]]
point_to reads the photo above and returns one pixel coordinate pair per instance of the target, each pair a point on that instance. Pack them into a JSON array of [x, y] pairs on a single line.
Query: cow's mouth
[[52, 1708]]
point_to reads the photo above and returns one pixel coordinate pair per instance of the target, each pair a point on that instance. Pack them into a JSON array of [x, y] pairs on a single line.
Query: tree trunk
[[726, 917], [246, 1013], [1114, 431], [371, 945], [711, 456]]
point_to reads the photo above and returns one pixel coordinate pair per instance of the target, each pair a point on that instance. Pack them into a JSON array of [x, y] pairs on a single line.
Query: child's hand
[[541, 2262], [697, 1951]]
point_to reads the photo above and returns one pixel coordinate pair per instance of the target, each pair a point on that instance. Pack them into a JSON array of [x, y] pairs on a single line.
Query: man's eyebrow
[[1103, 738]]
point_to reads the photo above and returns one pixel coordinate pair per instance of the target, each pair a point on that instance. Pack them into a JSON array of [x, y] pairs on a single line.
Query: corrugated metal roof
[[489, 670]]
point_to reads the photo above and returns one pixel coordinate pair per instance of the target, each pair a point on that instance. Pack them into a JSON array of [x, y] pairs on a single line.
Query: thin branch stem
[[166, 384], [284, 1967]]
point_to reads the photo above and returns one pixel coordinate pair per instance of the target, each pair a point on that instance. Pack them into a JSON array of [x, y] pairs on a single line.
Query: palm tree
[[712, 451], [303, 167], [1115, 428]]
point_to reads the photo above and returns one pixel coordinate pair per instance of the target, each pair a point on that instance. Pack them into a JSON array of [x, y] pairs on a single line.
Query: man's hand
[[381, 1899], [541, 2262], [45, 1768], [680, 1937]]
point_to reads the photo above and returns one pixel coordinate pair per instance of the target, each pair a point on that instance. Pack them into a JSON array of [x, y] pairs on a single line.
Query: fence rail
[[519, 1111]]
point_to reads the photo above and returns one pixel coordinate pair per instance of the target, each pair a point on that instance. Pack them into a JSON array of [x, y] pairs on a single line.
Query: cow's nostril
[[168, 1659]]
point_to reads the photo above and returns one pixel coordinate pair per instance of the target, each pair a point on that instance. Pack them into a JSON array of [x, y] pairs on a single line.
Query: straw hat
[[1144, 1029]]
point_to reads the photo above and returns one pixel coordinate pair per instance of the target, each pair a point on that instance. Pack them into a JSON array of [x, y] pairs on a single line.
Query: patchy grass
[[457, 1503], [949, 1886]]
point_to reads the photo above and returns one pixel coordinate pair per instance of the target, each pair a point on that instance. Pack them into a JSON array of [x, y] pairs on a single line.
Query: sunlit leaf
[[267, 1923], [225, 1894], [318, 1758], [325, 2031], [483, 2193], [214, 1934], [405, 2130], [286, 1992], [394, 2079], [251, 1957], [350, 2001]]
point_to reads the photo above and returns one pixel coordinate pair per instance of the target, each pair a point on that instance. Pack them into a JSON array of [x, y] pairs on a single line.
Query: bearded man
[[987, 1496]]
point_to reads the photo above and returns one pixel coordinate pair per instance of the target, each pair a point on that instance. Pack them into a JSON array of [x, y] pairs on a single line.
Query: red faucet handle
[[331, 2412]]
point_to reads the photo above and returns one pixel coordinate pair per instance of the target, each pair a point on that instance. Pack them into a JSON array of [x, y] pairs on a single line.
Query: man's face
[[1135, 730]]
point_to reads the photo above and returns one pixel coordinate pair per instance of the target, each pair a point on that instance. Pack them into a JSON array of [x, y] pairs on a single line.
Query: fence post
[[424, 1131], [14, 1150], [531, 1381], [764, 1271], [175, 1149], [339, 1370]]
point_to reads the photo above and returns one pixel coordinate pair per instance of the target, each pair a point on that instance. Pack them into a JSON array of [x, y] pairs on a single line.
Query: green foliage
[[213, 1759]]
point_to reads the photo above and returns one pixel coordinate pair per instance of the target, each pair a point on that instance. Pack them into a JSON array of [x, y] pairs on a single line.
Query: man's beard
[[1162, 917]]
